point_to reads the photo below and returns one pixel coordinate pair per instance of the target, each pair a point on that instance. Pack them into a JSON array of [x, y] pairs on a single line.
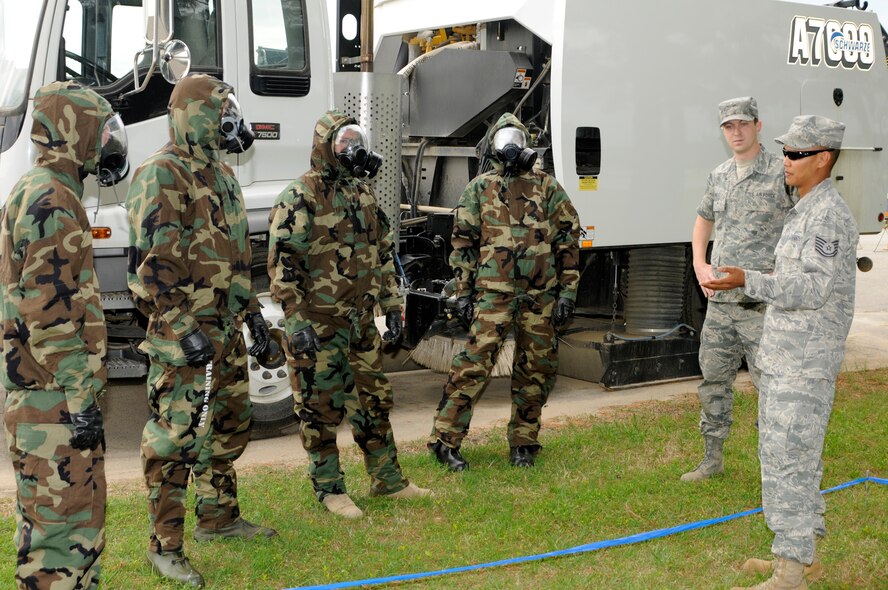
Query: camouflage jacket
[[53, 325], [748, 215], [331, 248], [810, 295], [515, 234], [189, 257]]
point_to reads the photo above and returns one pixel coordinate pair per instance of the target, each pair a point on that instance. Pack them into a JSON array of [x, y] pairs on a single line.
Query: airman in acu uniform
[[745, 204], [810, 298]]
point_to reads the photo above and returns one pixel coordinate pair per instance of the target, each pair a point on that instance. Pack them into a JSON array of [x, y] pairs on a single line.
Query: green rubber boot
[[238, 529], [173, 565]]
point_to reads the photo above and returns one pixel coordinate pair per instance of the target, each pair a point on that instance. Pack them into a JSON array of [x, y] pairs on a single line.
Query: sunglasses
[[799, 155]]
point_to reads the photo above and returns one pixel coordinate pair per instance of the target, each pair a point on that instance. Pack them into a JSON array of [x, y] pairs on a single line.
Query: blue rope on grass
[[637, 538]]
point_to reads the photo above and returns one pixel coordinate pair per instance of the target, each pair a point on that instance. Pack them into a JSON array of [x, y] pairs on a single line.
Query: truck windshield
[[18, 27]]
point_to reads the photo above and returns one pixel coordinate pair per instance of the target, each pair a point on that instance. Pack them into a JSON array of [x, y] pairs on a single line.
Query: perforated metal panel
[[375, 101]]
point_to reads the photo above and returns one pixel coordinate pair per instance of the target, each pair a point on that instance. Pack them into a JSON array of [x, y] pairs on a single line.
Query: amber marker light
[[101, 233]]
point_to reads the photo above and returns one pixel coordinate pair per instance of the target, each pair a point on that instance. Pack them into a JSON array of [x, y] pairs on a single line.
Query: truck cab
[[276, 55]]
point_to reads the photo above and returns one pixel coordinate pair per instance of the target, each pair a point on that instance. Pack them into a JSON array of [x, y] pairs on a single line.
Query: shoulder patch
[[825, 248]]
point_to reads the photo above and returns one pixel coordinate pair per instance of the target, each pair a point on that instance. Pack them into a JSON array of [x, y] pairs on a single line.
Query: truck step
[[116, 300], [126, 368]]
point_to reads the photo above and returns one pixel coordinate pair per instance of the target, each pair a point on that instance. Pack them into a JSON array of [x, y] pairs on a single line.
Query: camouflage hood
[[195, 111], [322, 158], [68, 119], [506, 120]]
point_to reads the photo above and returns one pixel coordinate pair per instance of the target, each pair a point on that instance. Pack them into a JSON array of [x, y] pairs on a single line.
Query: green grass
[[598, 478]]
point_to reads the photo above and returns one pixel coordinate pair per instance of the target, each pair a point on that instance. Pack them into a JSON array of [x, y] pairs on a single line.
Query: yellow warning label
[[588, 183]]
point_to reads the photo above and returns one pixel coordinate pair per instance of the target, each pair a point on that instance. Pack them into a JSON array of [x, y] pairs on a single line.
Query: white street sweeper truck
[[620, 96]]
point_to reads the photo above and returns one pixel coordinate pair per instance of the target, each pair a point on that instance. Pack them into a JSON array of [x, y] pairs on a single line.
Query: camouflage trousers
[[346, 379], [533, 370], [730, 332], [793, 416], [60, 508], [187, 434]]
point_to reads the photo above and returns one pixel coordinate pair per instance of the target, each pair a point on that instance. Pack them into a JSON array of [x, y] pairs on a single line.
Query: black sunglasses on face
[[799, 155]]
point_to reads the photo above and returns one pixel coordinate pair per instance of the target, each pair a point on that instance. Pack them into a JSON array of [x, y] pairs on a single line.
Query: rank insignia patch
[[824, 248]]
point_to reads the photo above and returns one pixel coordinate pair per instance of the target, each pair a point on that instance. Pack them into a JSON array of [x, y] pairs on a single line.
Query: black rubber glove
[[259, 331], [306, 342], [564, 310], [197, 348], [465, 311], [394, 324], [88, 428]]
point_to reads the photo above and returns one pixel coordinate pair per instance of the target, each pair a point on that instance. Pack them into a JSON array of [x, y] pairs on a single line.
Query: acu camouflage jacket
[[53, 325], [747, 215], [189, 257], [515, 234], [810, 294], [331, 248]]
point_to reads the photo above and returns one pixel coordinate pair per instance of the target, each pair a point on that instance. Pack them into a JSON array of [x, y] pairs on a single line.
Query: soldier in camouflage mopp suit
[[331, 261], [189, 272], [810, 298], [515, 259], [745, 203], [54, 341]]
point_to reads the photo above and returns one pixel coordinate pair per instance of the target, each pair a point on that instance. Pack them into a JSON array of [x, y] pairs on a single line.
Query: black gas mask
[[350, 149], [510, 148], [237, 137], [113, 165]]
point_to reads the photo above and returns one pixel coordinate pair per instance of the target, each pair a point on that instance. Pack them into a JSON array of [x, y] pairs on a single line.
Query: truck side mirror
[[172, 57], [175, 61]]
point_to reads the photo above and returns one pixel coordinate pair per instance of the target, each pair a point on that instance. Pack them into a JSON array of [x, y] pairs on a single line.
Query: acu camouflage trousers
[[793, 416], [730, 332], [346, 379], [60, 512], [533, 370], [180, 439]]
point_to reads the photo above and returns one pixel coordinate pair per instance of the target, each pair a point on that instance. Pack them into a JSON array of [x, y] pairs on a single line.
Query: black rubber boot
[[522, 456], [449, 456]]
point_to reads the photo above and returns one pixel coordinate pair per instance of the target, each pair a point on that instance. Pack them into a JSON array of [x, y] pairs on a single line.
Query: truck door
[[99, 41], [283, 83]]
